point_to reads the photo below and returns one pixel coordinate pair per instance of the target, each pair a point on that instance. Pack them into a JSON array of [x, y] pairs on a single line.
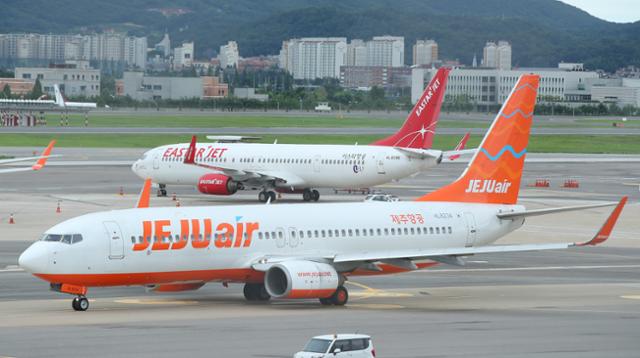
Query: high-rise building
[[314, 57], [229, 55], [108, 46], [425, 52], [385, 51], [497, 56], [183, 55], [356, 53]]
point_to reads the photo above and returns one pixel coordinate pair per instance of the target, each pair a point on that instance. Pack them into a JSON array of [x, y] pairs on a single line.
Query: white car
[[338, 346], [381, 197]]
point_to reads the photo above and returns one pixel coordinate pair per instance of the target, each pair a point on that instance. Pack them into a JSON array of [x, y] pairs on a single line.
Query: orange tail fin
[[45, 154], [420, 126], [494, 173]]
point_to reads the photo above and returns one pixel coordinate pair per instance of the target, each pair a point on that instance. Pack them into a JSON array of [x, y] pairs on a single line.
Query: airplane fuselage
[[303, 166], [203, 244]]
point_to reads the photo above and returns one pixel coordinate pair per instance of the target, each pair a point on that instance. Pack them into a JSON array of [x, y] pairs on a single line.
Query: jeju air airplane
[[298, 251], [225, 168], [41, 160]]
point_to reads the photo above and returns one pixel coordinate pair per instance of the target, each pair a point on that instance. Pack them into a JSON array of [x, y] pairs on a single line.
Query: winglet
[[45, 155], [605, 231], [460, 146], [145, 194], [190, 157]]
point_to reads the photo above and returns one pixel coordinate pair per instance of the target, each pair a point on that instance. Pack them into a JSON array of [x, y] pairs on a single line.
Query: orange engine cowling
[[217, 184], [301, 279]]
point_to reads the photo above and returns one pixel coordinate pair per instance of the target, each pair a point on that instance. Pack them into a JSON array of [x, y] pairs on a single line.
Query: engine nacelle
[[217, 184], [301, 279]]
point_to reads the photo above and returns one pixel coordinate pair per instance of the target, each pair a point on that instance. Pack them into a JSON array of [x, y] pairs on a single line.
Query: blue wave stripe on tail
[[506, 148]]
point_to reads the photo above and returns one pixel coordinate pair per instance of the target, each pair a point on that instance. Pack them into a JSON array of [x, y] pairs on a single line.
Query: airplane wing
[[252, 176], [451, 255], [41, 160], [231, 138]]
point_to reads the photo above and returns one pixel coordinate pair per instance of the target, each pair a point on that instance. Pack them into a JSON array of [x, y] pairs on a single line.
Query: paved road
[[572, 303]]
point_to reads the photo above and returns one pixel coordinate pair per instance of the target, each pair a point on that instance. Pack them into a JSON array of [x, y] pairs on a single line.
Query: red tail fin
[[420, 126], [494, 173], [45, 155], [190, 157]]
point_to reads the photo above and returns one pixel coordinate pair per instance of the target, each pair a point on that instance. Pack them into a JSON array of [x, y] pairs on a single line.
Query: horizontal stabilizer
[[524, 214], [231, 138]]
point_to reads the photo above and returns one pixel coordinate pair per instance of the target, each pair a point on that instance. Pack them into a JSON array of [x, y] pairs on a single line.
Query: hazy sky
[[610, 10]]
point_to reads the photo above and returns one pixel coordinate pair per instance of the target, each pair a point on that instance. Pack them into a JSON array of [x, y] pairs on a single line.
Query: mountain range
[[541, 32]]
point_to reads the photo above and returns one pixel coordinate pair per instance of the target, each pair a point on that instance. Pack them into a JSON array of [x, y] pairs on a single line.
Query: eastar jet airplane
[[304, 251], [225, 168], [41, 160]]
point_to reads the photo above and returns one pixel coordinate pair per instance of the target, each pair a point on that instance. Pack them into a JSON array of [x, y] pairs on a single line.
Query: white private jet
[[41, 160], [223, 168], [61, 102], [44, 104], [299, 251]]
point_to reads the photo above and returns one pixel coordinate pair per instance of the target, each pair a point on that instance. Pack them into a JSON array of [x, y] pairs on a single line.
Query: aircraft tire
[[340, 297], [262, 196], [315, 195]]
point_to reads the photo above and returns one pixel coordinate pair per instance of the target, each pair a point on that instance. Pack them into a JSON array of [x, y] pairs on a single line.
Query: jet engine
[[217, 184], [301, 279]]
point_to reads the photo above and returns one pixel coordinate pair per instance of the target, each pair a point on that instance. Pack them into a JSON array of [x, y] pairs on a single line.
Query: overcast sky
[[610, 10]]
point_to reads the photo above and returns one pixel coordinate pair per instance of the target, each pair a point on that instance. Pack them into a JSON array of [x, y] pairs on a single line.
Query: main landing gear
[[162, 190], [308, 195], [256, 292], [80, 303], [264, 196], [339, 298]]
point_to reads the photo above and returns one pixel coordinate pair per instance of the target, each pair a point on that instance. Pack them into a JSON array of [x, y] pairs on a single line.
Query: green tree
[[36, 92], [6, 91]]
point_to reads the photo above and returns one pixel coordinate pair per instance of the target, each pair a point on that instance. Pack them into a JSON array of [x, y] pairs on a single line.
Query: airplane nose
[[135, 168], [35, 258]]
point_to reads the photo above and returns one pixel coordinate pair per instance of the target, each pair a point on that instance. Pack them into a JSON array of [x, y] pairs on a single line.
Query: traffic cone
[[174, 197], [11, 221], [121, 191], [58, 210], [178, 203]]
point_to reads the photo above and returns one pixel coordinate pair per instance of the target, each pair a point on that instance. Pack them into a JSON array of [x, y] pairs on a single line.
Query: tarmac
[[571, 303]]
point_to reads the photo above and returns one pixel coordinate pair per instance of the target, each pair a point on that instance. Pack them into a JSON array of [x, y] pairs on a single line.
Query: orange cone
[[121, 191], [11, 221], [174, 197], [177, 202], [58, 210]]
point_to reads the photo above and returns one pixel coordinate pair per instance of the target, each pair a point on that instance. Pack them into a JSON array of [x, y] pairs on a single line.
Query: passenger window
[[357, 232], [450, 230], [322, 232], [431, 230], [412, 231], [386, 231], [280, 234], [350, 233], [260, 236], [133, 239], [293, 234], [444, 230], [266, 235], [437, 230], [337, 232], [406, 231], [301, 234], [419, 231], [393, 231], [358, 344], [330, 232], [364, 232], [309, 233], [344, 233], [315, 234]]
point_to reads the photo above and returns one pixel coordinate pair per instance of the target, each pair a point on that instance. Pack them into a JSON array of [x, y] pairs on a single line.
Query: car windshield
[[317, 346]]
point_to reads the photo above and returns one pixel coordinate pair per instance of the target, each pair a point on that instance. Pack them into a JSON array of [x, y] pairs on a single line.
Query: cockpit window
[[66, 239]]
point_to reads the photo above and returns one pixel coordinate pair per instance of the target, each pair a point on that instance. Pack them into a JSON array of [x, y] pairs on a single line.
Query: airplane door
[[116, 242], [156, 162], [281, 239], [293, 237], [316, 163], [471, 229], [380, 164]]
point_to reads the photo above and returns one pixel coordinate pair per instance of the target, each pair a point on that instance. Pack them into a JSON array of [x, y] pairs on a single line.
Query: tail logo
[[488, 186], [427, 98]]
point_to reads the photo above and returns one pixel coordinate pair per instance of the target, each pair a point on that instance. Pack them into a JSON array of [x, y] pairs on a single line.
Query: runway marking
[[156, 302], [12, 268], [541, 268], [373, 292]]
